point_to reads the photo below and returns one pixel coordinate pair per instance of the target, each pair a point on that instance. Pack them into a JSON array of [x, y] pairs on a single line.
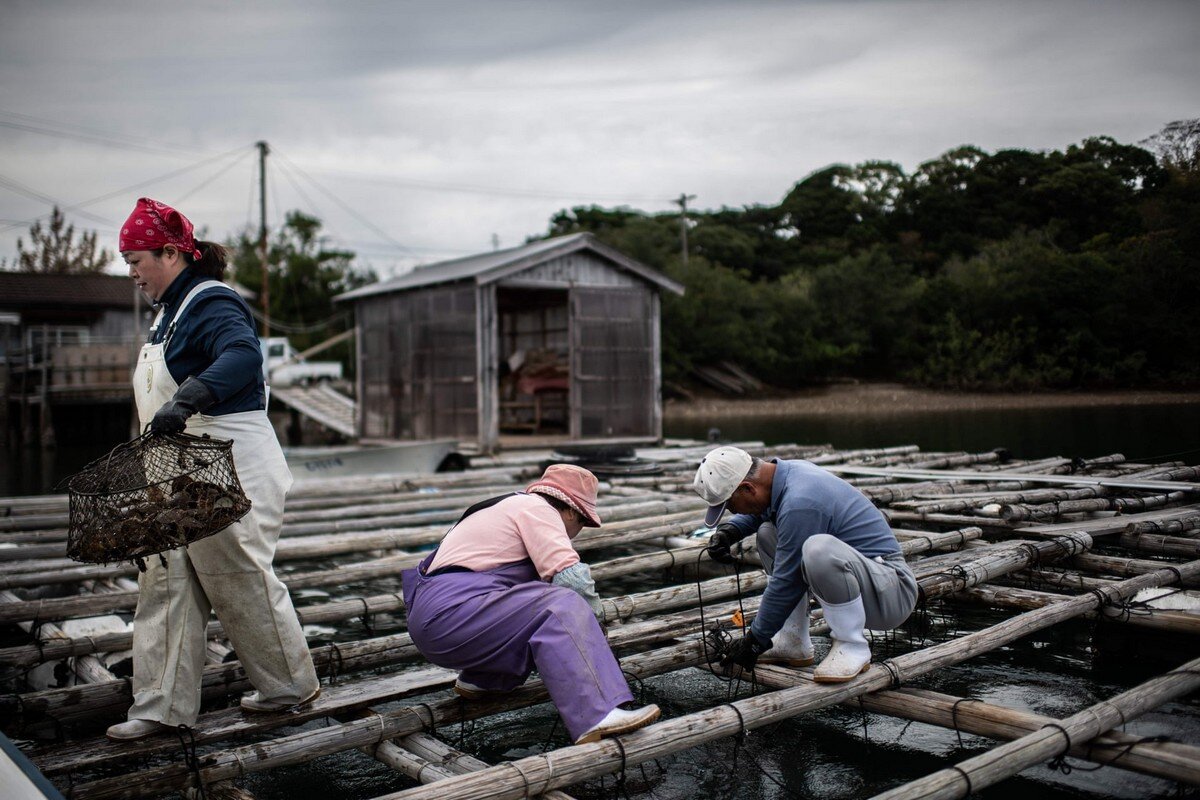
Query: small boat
[[401, 458], [19, 778]]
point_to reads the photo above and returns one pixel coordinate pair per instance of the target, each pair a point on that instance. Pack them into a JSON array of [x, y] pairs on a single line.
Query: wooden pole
[[1054, 739], [569, 765], [265, 297], [306, 745], [1013, 597], [1170, 760]]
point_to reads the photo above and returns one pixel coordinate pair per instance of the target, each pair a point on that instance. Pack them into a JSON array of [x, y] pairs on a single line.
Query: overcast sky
[[417, 131]]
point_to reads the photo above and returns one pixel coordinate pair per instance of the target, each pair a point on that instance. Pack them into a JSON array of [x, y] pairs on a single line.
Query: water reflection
[[1141, 433]]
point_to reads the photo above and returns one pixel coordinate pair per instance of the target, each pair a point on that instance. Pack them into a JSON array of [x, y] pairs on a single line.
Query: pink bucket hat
[[574, 486]]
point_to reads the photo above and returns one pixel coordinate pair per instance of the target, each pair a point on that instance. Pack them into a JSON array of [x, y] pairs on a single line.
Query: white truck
[[283, 366]]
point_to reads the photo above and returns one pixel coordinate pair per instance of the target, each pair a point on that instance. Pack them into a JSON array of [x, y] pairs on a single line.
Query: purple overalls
[[499, 625]]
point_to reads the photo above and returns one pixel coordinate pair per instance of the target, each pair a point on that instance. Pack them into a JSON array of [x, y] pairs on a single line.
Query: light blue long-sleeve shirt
[[807, 500]]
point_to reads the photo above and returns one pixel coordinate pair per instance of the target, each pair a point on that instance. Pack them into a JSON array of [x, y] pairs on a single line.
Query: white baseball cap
[[720, 473]]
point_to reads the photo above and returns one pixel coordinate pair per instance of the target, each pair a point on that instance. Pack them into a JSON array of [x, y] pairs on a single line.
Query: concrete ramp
[[321, 403]]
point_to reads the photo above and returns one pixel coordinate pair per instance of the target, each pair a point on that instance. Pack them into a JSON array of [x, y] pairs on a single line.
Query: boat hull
[[406, 458]]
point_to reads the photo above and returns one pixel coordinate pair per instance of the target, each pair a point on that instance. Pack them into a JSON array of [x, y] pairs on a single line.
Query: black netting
[[155, 493]]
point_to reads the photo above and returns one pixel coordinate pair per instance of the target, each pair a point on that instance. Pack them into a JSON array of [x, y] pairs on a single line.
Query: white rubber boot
[[134, 729], [792, 647], [620, 721], [850, 654]]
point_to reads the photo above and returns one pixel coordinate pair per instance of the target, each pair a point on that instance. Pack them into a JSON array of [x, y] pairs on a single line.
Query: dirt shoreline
[[894, 398]]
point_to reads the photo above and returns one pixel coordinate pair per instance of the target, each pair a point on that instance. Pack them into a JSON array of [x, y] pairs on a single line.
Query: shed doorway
[[534, 369]]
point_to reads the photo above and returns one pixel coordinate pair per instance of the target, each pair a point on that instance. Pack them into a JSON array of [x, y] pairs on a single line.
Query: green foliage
[[54, 249], [304, 276], [1006, 270]]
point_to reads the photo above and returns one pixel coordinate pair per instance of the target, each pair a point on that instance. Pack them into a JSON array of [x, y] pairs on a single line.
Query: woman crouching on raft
[[505, 593], [201, 372]]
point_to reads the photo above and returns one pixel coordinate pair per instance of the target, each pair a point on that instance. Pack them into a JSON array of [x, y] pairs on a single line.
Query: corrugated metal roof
[[37, 289], [485, 267]]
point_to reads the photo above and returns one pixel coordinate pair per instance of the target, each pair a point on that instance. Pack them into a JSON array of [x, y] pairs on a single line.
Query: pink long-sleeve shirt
[[519, 527]]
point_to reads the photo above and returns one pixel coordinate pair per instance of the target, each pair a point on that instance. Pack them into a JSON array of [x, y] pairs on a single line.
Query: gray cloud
[[412, 113]]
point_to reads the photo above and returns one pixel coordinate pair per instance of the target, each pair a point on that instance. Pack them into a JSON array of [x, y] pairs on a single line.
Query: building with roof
[[68, 308], [559, 336], [67, 346]]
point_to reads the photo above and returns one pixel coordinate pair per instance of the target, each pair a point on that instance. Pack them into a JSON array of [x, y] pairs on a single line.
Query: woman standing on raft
[[201, 372], [505, 593]]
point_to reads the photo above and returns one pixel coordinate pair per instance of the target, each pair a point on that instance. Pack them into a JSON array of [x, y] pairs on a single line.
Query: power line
[[20, 188], [66, 130], [312, 207], [179, 200], [379, 231], [276, 325], [124, 190], [319, 214]]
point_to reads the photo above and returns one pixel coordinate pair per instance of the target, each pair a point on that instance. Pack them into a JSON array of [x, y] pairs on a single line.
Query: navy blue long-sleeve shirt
[[214, 342], [807, 500]]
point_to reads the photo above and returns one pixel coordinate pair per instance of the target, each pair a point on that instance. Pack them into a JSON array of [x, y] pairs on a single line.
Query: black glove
[[193, 396], [719, 544], [744, 653]]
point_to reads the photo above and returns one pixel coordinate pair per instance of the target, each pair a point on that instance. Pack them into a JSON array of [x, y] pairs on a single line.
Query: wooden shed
[[559, 337]]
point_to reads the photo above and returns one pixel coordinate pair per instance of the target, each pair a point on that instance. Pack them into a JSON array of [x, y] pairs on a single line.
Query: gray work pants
[[837, 573]]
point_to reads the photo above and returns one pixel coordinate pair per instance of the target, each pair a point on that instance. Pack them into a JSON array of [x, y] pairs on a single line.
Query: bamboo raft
[[1022, 546]]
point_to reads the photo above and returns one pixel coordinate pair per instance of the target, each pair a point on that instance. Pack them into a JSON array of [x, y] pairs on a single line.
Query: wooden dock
[[1039, 543]]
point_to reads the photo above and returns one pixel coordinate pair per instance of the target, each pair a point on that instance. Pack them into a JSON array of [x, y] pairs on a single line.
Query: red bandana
[[153, 225]]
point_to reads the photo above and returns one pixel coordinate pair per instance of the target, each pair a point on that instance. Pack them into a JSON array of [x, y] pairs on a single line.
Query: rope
[[619, 790], [1128, 607], [669, 569], [894, 671], [336, 663], [366, 615], [863, 711], [1102, 597], [740, 738], [965, 777], [955, 573], [739, 742], [641, 686], [1034, 554], [1124, 751], [1059, 762], [720, 639], [549, 740], [462, 723], [524, 778], [954, 717], [190, 759], [431, 727]]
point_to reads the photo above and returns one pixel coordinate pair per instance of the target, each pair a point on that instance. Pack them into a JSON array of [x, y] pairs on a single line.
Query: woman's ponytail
[[212, 261]]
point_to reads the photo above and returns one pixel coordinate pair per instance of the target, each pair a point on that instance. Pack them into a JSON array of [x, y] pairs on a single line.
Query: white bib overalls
[[229, 572]]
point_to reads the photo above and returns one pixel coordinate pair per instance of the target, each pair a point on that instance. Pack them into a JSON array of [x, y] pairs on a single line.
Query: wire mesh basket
[[155, 493]]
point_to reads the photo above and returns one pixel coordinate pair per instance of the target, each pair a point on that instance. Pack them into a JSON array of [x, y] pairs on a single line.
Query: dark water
[[1141, 433], [842, 752], [839, 752]]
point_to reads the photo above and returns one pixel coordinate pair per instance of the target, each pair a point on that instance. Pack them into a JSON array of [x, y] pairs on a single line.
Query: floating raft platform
[[1036, 543]]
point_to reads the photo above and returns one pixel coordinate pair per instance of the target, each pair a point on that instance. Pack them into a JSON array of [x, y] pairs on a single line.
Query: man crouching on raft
[[505, 593], [815, 533]]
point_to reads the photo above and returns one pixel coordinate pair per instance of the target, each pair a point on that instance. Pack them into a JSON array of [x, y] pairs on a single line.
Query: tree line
[[1012, 270], [1007, 270]]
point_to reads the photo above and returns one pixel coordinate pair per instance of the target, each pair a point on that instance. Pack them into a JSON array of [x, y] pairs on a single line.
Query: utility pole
[[682, 202], [265, 296]]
